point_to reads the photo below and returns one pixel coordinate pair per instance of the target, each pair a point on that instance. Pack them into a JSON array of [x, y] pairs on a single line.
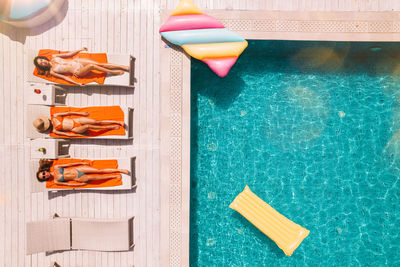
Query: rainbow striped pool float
[[203, 37]]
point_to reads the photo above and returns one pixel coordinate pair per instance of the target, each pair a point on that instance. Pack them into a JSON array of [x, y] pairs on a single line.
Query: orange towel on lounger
[[93, 76], [98, 113], [99, 164]]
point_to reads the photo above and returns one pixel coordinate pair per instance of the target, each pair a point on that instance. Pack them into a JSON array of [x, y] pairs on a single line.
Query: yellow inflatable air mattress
[[285, 233]]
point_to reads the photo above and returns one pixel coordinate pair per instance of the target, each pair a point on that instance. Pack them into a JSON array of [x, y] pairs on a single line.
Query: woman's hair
[[41, 70], [44, 165]]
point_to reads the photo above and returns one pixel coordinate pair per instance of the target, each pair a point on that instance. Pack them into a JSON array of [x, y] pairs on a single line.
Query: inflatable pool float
[[29, 13], [286, 234], [203, 37]]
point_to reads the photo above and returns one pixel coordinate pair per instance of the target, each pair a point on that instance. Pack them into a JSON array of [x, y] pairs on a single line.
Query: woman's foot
[[126, 68], [113, 127], [116, 72], [122, 123], [124, 171]]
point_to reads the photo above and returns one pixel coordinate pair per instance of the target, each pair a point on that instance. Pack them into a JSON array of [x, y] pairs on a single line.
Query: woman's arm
[[66, 78], [67, 134], [69, 184], [69, 113], [70, 54], [70, 164]]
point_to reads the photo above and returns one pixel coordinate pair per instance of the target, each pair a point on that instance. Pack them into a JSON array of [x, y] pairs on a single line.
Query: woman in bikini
[[79, 67], [61, 125], [79, 172]]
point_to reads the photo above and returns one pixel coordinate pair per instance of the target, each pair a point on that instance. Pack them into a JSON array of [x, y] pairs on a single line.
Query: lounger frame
[[35, 110], [128, 180], [61, 234]]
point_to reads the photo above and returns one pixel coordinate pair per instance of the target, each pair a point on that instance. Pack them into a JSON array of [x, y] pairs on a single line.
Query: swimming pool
[[314, 129]]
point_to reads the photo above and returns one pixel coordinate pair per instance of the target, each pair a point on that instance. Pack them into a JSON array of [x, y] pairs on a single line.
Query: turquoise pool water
[[314, 129]]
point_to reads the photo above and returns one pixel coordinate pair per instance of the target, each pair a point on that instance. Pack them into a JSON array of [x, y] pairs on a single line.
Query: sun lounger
[[60, 234], [128, 180], [286, 234], [36, 110], [126, 80]]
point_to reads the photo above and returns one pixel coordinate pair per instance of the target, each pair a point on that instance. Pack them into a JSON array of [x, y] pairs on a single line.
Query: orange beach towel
[[93, 76], [99, 164], [97, 113]]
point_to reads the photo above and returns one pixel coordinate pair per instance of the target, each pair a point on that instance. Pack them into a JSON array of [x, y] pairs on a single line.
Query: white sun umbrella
[[29, 13]]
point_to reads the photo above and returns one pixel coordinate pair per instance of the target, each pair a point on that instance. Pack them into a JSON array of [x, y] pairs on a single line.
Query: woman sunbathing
[[78, 126], [79, 67], [79, 172]]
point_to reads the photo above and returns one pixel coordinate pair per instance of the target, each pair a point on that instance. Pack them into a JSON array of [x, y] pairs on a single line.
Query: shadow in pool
[[322, 58], [193, 235], [273, 248], [222, 91]]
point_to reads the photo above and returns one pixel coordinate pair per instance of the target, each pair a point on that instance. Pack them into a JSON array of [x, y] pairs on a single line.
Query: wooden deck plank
[[155, 159], [149, 128], [3, 87], [14, 202], [8, 209], [13, 61], [19, 89], [142, 124], [3, 165], [28, 200], [3, 203], [7, 93], [21, 207]]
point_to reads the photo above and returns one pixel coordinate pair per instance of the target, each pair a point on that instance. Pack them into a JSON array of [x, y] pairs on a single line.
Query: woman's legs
[[84, 128], [114, 66], [82, 72], [86, 169], [92, 177], [85, 120], [109, 66]]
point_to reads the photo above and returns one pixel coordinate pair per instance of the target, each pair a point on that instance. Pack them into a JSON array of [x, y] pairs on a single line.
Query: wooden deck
[[114, 26]]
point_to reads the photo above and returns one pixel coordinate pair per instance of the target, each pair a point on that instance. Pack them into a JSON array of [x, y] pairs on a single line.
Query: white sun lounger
[[35, 110], [60, 234], [128, 180], [126, 80]]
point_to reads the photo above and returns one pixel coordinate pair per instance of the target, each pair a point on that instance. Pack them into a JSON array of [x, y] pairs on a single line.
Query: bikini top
[[61, 170], [60, 127], [62, 178], [63, 66]]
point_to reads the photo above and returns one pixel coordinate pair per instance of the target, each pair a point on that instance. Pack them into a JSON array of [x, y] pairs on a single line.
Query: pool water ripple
[[316, 138]]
